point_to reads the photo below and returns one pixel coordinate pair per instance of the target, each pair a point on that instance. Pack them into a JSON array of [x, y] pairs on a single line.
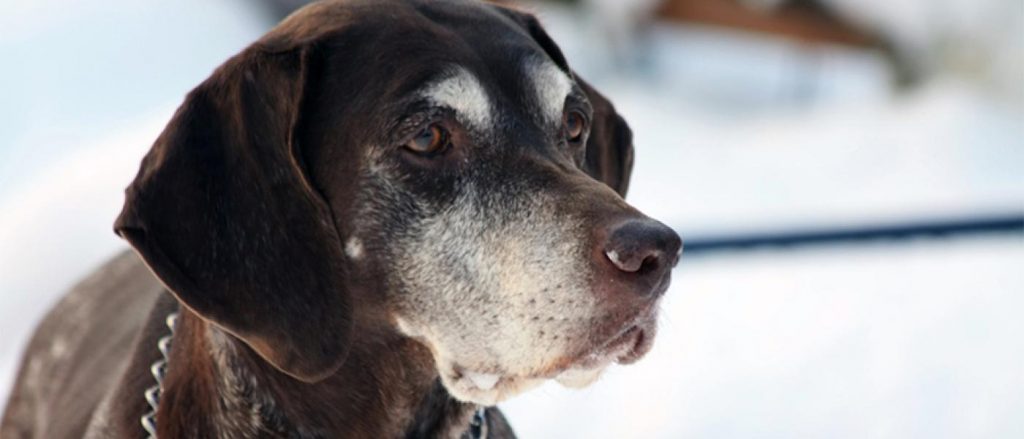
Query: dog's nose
[[644, 248]]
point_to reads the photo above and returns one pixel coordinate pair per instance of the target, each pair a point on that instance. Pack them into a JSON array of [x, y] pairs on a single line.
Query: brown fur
[[490, 259]]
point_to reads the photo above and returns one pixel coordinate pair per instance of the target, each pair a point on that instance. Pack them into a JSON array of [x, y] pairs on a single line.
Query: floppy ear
[[609, 155], [223, 214], [610, 145]]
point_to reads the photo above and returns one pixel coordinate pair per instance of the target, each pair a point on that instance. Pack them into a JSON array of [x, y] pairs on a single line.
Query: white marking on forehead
[[461, 91], [552, 85]]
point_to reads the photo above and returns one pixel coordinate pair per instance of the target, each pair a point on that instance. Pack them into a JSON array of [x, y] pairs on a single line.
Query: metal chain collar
[[158, 369]]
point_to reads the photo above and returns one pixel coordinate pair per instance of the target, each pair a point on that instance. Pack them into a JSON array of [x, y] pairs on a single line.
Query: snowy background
[[735, 133]]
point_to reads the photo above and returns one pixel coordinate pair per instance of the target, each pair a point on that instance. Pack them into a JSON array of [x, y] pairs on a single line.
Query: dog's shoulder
[[79, 350]]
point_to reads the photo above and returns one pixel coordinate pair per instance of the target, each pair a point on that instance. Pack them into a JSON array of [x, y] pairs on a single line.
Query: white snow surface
[[733, 133]]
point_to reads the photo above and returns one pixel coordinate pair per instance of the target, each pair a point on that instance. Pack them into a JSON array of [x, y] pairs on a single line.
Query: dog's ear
[[609, 155], [610, 145], [223, 213]]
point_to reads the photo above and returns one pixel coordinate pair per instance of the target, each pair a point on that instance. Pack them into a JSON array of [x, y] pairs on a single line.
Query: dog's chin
[[489, 388], [485, 388]]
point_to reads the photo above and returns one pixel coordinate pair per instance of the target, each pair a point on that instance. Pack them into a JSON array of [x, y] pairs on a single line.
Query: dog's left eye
[[575, 126], [430, 140]]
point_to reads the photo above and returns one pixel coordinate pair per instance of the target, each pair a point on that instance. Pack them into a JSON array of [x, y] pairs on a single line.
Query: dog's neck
[[387, 387]]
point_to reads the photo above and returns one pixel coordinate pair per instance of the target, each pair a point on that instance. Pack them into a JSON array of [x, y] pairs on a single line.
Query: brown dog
[[377, 219]]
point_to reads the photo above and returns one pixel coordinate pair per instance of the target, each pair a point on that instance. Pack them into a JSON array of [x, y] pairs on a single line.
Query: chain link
[[158, 369]]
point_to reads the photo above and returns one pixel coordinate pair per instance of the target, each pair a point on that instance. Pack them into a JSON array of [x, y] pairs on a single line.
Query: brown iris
[[430, 140], [575, 125]]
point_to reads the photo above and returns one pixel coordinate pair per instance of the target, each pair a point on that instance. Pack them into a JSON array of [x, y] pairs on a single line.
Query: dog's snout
[[644, 248]]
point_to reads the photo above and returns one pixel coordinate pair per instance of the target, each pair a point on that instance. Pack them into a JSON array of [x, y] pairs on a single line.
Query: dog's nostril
[[632, 262], [623, 260], [650, 264]]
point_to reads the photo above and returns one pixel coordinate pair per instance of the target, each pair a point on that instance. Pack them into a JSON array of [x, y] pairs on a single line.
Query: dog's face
[[453, 167]]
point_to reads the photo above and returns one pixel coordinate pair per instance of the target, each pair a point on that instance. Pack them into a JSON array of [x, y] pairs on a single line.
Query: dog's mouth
[[632, 343], [577, 371], [627, 347]]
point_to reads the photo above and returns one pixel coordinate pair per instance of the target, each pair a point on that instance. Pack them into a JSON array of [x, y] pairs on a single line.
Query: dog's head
[[438, 162]]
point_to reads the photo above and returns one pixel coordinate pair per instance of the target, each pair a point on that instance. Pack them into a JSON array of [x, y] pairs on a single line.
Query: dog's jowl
[[379, 220]]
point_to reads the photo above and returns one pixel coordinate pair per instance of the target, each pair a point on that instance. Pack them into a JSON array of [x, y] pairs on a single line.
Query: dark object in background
[[1011, 224], [804, 20], [808, 21]]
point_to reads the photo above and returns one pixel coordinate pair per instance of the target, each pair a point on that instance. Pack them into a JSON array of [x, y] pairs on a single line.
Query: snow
[[733, 133]]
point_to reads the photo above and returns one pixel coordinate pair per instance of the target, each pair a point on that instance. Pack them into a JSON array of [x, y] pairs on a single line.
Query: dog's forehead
[[470, 57], [540, 91], [517, 65]]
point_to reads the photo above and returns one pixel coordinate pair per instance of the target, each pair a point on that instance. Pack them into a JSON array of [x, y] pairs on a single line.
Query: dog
[[379, 220]]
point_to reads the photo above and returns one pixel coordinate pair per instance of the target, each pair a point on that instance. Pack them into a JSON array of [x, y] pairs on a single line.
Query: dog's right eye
[[432, 139]]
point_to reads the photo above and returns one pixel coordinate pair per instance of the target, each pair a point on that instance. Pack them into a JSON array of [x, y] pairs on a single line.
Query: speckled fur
[[332, 283]]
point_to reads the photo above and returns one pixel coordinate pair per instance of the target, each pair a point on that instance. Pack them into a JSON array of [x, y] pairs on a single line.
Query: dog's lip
[[633, 340], [640, 341], [616, 346], [626, 346], [629, 339]]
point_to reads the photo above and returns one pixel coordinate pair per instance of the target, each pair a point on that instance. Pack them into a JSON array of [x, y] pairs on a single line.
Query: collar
[[158, 369]]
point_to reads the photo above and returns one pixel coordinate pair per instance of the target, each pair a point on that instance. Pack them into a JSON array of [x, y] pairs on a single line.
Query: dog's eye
[[430, 140], [575, 126]]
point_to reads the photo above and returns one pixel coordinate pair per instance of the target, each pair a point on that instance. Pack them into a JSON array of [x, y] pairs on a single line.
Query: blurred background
[[848, 176]]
